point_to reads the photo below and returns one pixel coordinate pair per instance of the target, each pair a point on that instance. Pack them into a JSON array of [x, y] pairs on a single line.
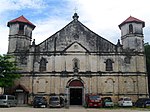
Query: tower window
[[42, 65], [130, 28], [109, 65], [21, 29]]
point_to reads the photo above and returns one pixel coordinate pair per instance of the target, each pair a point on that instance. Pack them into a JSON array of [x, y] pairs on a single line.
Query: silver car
[[55, 101], [8, 100]]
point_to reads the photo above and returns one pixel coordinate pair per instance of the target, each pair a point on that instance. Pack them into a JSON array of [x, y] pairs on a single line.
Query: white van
[[125, 102], [8, 100]]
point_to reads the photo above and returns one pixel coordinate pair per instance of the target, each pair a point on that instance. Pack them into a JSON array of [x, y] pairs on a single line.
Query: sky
[[49, 16]]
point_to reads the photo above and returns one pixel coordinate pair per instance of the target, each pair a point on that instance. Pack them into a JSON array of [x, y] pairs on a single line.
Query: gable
[[75, 31], [76, 48]]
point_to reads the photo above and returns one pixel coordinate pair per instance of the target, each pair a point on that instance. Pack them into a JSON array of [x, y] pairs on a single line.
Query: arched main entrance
[[76, 92], [21, 94]]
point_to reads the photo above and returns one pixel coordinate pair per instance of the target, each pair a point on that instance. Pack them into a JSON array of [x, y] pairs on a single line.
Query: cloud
[[4, 40], [7, 5], [10, 8], [103, 17], [47, 27], [49, 16]]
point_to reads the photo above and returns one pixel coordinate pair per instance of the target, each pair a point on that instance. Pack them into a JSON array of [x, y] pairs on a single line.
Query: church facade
[[75, 61]]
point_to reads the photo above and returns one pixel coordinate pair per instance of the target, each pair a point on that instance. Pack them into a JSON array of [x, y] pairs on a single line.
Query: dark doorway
[[75, 96]]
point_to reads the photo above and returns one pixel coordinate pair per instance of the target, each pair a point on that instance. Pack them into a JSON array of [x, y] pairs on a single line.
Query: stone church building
[[76, 61]]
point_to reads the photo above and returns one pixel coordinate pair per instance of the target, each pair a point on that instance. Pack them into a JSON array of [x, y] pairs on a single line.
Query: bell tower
[[20, 34], [132, 34]]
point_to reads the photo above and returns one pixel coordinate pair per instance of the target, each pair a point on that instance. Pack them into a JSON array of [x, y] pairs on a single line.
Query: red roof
[[132, 19], [21, 19]]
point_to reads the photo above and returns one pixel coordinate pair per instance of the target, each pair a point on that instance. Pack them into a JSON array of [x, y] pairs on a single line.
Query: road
[[71, 109]]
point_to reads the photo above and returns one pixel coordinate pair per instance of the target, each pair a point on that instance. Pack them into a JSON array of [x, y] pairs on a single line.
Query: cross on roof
[[75, 9]]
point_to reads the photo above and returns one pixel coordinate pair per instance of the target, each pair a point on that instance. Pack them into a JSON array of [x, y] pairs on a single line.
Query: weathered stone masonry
[[77, 59]]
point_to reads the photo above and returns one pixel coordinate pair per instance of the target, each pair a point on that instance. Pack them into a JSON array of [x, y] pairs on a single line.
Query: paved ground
[[71, 109]]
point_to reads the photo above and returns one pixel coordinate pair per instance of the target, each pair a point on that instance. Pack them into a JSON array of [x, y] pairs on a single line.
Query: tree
[[8, 70], [147, 53]]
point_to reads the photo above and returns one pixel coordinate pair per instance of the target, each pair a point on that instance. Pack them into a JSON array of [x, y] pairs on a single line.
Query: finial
[[118, 43], [75, 16], [33, 43]]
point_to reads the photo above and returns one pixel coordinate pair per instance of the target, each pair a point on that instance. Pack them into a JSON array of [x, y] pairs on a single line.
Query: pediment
[[75, 47]]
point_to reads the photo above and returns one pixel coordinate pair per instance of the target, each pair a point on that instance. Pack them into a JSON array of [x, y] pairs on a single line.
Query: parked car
[[39, 101], [56, 101], [125, 102], [107, 102], [93, 100], [8, 100], [142, 102]]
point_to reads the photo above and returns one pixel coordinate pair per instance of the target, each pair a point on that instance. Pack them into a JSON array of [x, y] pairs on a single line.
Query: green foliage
[[7, 71]]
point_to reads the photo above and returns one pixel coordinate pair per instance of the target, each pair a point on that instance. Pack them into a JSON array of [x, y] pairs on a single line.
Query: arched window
[[109, 86], [127, 60], [43, 65], [75, 65], [109, 66], [130, 28], [41, 88], [129, 85]]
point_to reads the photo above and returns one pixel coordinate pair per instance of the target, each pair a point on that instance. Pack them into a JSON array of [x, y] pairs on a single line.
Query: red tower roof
[[20, 19], [132, 19]]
